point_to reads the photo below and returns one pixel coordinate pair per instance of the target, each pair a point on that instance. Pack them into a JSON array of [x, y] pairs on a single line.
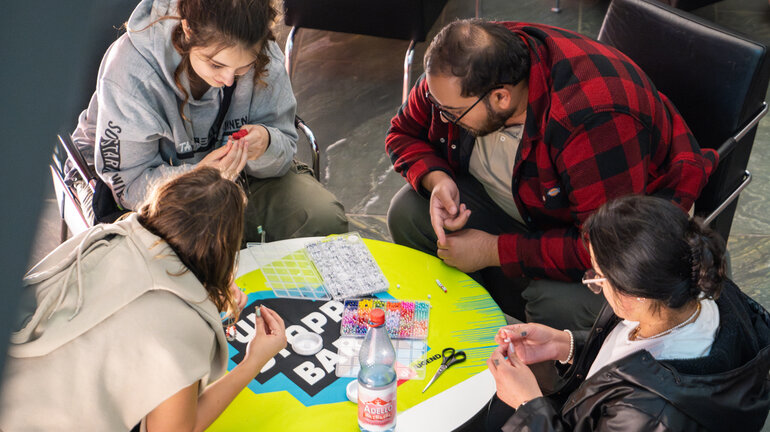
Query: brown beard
[[495, 121]]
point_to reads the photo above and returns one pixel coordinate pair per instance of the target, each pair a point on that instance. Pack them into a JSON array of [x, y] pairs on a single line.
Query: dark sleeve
[[536, 415], [581, 338], [540, 415]]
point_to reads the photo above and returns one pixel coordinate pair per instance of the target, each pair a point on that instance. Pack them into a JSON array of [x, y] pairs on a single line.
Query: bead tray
[[403, 319], [337, 266]]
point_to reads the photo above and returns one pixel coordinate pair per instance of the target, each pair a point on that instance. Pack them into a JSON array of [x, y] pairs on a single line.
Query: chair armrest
[[78, 160], [731, 142], [314, 151]]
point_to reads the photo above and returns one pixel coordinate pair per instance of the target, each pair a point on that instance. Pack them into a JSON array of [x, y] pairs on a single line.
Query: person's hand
[[228, 159], [445, 208], [239, 297], [269, 338], [534, 343], [469, 250], [514, 381], [256, 140]]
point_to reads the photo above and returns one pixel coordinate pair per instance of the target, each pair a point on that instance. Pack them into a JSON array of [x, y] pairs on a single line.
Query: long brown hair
[[224, 23], [200, 215]]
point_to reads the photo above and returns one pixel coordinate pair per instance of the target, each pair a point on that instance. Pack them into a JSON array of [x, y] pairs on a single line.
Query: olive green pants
[[557, 304], [294, 205]]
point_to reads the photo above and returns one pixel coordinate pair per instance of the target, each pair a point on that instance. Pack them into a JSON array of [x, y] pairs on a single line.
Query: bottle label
[[377, 408]]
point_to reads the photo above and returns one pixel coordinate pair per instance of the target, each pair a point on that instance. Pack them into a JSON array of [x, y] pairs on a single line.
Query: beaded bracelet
[[571, 348]]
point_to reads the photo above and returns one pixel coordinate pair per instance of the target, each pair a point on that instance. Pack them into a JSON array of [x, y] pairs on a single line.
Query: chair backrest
[[716, 78], [398, 19]]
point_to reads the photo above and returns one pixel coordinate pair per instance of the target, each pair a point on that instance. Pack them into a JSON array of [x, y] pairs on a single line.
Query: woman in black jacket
[[678, 346]]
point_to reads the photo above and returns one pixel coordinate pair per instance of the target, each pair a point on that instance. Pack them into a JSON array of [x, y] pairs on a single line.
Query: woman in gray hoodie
[[201, 82]]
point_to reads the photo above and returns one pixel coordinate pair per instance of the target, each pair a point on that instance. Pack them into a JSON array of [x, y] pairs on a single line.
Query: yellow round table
[[465, 318]]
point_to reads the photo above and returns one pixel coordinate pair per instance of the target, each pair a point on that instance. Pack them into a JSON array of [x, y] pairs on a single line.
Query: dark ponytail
[[648, 247], [706, 258]]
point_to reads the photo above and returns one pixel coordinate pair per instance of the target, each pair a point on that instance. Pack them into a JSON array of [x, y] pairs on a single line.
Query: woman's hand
[[269, 337], [256, 140], [515, 382], [534, 343], [228, 159], [239, 297]]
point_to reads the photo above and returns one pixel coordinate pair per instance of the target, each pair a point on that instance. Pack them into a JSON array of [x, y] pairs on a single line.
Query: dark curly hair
[[482, 54], [648, 247]]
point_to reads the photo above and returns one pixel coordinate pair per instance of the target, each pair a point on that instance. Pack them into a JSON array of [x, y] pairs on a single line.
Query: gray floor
[[348, 87]]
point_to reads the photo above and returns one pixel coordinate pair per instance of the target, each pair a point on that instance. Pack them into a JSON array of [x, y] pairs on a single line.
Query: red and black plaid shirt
[[596, 129]]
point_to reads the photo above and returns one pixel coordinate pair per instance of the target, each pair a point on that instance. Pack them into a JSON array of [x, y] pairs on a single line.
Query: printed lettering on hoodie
[[235, 124], [109, 145]]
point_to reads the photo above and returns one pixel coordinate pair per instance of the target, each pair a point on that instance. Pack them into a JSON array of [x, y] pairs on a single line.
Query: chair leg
[[478, 8], [408, 70], [556, 8], [63, 230], [289, 50]]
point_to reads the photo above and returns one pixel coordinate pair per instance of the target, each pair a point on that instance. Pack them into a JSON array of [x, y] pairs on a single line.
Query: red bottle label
[[377, 408]]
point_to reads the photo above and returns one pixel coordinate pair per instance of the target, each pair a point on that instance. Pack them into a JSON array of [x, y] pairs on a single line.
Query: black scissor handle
[[447, 353], [457, 357]]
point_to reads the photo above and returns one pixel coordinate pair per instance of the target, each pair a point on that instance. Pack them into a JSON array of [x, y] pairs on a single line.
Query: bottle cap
[[352, 391], [376, 317], [307, 344]]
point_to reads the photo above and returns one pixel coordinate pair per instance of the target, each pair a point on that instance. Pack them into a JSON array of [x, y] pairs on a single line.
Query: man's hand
[[469, 250], [445, 208]]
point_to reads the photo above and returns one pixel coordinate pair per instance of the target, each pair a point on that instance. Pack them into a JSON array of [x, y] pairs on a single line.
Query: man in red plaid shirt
[[515, 135]]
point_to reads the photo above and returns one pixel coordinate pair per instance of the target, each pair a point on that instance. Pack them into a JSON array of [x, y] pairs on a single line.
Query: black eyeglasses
[[451, 117]]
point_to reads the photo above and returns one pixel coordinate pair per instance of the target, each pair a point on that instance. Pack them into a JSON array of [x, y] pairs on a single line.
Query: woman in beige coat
[[121, 325]]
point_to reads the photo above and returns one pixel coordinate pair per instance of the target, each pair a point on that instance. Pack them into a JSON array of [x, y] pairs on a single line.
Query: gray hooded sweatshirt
[[134, 132]]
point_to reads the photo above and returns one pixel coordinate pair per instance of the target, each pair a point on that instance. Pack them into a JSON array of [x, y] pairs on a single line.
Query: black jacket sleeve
[[540, 415]]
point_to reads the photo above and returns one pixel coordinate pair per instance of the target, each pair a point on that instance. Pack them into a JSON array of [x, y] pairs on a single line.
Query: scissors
[[450, 357]]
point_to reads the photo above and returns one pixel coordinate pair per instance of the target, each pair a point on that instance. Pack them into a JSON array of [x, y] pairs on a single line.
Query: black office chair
[[715, 77], [398, 19], [72, 196]]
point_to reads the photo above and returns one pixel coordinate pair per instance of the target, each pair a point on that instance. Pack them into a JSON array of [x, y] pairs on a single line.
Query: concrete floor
[[349, 86]]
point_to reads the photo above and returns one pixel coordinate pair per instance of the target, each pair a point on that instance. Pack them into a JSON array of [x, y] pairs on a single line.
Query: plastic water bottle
[[377, 378]]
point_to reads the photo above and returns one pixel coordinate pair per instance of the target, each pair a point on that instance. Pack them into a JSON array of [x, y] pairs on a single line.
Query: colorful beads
[[403, 319], [239, 134]]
